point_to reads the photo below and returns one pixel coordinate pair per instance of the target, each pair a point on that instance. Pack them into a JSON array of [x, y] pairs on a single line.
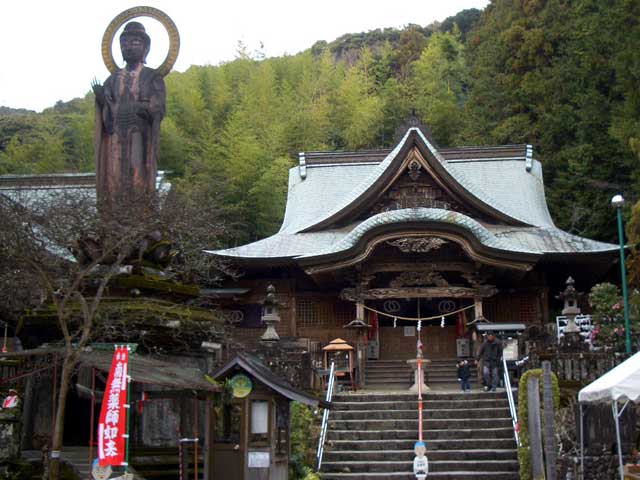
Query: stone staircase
[[444, 371], [398, 375], [388, 375], [468, 436]]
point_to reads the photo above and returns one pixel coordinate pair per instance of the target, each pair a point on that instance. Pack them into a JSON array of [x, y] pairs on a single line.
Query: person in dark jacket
[[464, 375], [491, 354]]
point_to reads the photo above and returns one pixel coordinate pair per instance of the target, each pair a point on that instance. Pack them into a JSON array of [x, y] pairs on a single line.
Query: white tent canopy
[[621, 383]]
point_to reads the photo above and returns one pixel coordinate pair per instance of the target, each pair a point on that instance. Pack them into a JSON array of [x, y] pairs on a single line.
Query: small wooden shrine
[[251, 430]]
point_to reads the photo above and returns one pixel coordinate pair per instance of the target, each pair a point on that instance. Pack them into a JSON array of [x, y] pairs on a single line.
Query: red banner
[[113, 415]]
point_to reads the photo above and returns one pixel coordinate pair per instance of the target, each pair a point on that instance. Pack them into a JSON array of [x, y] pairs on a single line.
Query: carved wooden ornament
[[417, 244]]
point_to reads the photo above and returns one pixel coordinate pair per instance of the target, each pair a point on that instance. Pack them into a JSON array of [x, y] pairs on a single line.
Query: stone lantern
[[571, 339], [270, 316]]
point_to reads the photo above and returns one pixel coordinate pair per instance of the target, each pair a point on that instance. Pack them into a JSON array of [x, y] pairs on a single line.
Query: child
[[464, 375]]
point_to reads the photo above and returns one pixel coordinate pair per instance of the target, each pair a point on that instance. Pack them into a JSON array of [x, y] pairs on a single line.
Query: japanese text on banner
[[112, 423]]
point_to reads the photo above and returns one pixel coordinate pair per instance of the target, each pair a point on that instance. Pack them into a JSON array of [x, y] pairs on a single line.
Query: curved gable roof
[[501, 187]]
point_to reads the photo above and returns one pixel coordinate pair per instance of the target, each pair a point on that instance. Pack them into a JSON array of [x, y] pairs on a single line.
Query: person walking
[[491, 354], [464, 375]]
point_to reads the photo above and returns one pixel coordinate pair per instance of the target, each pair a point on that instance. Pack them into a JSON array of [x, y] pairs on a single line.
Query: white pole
[[581, 443], [614, 407]]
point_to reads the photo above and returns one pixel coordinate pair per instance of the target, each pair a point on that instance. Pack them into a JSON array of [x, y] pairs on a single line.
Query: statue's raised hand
[[98, 91]]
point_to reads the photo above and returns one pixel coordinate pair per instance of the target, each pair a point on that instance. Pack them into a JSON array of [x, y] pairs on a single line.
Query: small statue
[[129, 108]]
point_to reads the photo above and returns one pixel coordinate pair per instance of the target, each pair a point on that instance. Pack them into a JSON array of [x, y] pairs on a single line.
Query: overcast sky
[[51, 49]]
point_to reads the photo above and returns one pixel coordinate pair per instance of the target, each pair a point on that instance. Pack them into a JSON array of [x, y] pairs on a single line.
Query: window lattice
[[315, 313], [344, 312], [308, 313]]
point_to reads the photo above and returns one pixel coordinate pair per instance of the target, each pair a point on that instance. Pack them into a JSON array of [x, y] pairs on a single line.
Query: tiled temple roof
[[506, 178], [26, 189]]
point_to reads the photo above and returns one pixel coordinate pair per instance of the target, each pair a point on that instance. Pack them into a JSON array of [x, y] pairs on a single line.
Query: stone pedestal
[[414, 365], [571, 340]]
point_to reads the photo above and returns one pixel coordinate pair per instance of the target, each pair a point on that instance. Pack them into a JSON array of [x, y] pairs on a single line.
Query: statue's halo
[[159, 15]]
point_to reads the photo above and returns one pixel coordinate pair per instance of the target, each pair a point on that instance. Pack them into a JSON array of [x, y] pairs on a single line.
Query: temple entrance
[[393, 338]]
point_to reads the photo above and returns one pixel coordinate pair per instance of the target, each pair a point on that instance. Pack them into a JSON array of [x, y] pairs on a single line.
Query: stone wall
[[599, 467], [10, 429], [576, 367]]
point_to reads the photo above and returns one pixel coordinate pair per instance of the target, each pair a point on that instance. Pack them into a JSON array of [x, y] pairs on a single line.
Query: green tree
[[358, 108], [40, 150], [542, 73], [438, 82], [410, 45]]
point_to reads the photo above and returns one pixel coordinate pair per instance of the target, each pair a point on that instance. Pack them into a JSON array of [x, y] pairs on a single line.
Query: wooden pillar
[[477, 307], [544, 304], [477, 311], [360, 353], [27, 414], [209, 431], [293, 314]]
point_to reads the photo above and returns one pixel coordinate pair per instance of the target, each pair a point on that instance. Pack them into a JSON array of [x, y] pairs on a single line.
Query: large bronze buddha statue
[[129, 108]]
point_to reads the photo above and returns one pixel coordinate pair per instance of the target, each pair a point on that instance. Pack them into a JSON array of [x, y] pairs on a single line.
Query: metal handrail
[[512, 403], [325, 417]]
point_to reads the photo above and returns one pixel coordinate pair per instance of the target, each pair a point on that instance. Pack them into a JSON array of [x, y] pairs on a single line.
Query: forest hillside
[[563, 76]]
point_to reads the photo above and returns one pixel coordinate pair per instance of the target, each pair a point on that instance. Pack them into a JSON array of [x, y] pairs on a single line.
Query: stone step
[[386, 362], [440, 373], [451, 475], [451, 361], [390, 387], [377, 396], [392, 377], [408, 455], [387, 384], [407, 444], [427, 413], [396, 365], [453, 375], [387, 372], [413, 404], [407, 368], [408, 424], [469, 435], [435, 466], [433, 434]]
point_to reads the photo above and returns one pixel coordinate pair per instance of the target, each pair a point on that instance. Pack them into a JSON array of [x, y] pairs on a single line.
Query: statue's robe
[[127, 133]]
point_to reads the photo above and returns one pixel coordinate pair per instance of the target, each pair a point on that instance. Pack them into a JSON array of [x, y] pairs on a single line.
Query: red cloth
[[10, 402], [112, 425]]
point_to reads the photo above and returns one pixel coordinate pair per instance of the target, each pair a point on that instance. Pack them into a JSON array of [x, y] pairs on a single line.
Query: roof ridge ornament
[[412, 121], [302, 165], [529, 158]]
